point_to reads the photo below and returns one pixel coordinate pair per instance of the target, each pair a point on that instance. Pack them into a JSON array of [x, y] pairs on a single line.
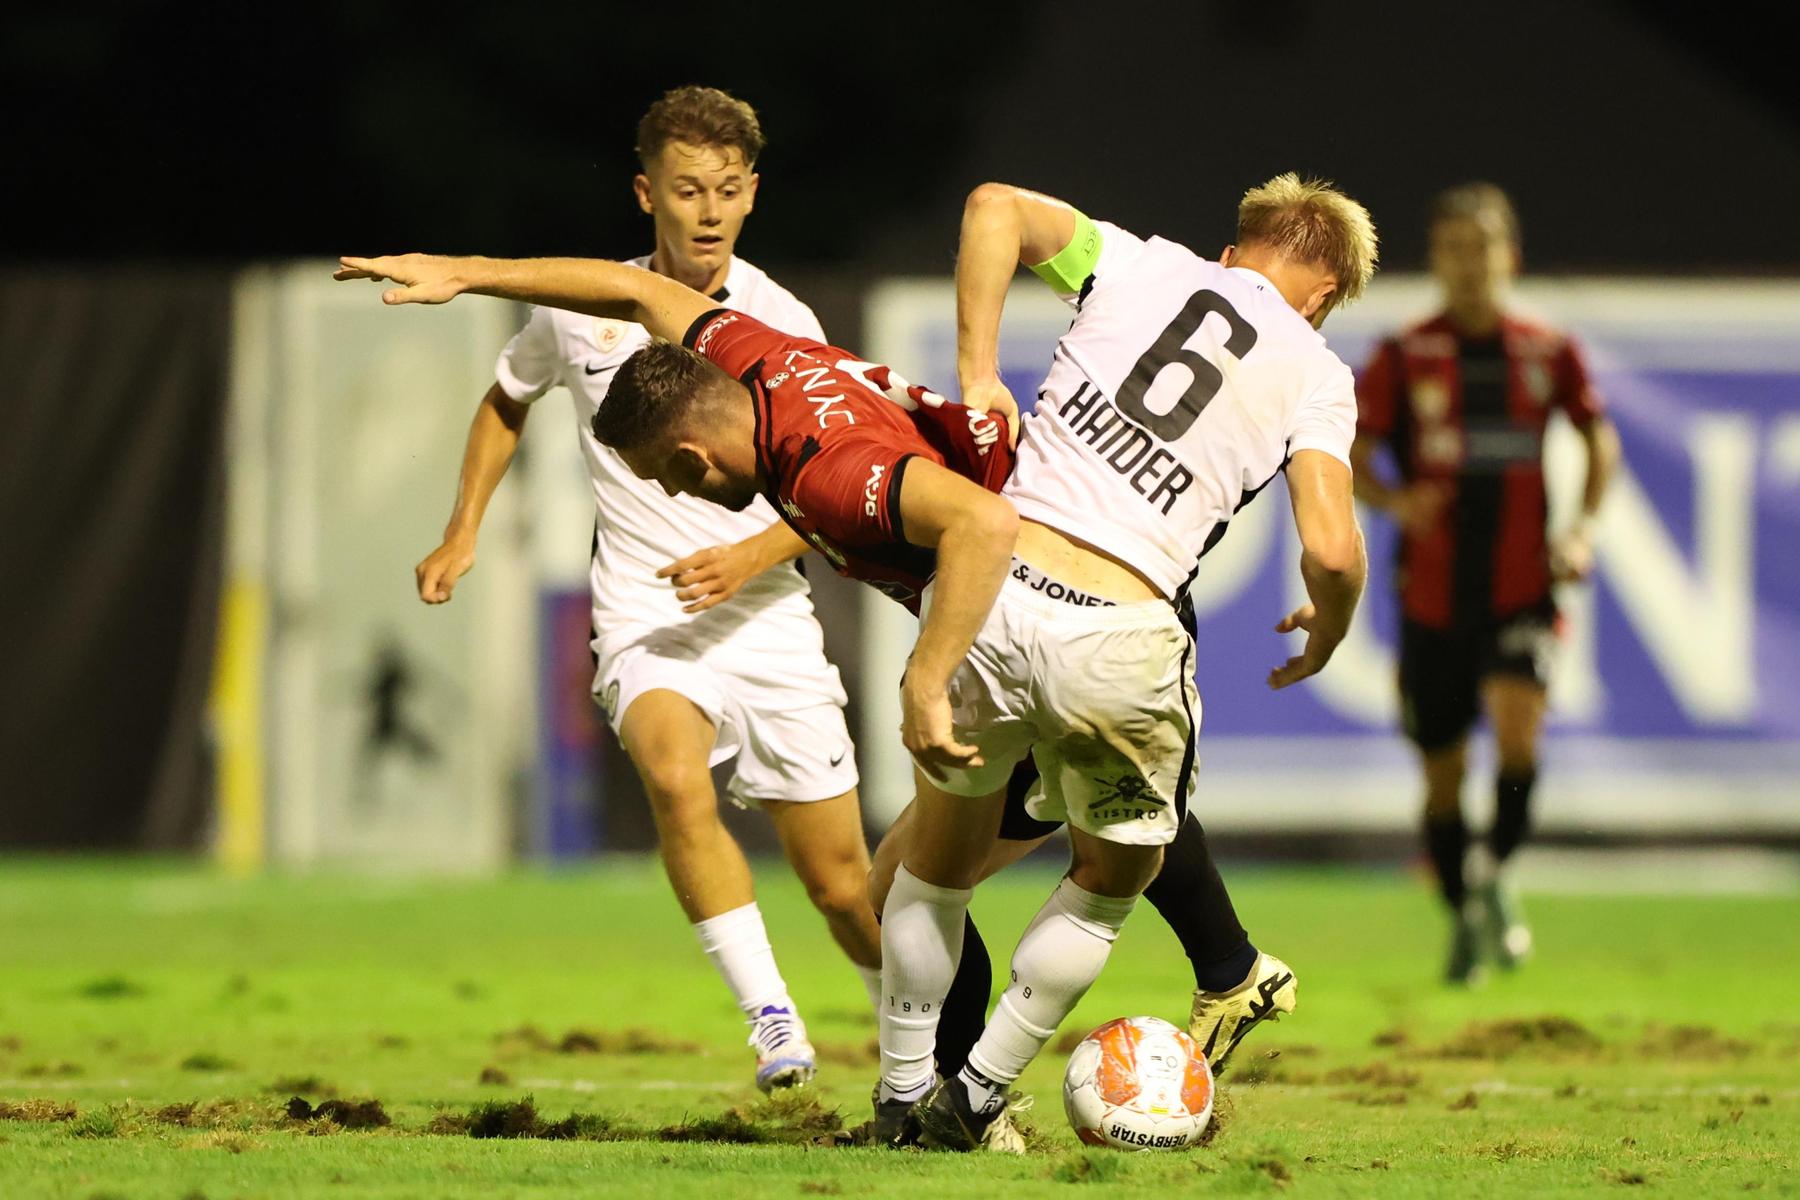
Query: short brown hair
[[1476, 201], [653, 393], [1311, 221], [700, 116]]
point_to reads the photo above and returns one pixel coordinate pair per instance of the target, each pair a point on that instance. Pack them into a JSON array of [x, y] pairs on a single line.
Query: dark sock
[[1512, 811], [1447, 839], [965, 1004], [1191, 897]]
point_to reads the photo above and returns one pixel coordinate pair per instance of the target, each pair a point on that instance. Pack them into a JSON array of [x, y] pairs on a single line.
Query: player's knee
[[681, 793], [840, 892]]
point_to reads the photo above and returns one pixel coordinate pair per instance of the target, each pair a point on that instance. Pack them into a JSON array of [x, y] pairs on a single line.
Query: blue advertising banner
[[1676, 699]]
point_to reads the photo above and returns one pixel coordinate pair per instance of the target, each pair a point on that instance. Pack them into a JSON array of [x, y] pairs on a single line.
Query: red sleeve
[[1378, 392], [851, 491], [1575, 393], [737, 341]]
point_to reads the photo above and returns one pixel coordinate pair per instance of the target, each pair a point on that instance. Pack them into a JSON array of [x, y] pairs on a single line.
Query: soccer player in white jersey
[[1181, 389], [687, 684]]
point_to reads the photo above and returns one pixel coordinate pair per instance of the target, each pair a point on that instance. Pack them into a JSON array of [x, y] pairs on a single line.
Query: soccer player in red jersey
[[891, 483], [1461, 402]]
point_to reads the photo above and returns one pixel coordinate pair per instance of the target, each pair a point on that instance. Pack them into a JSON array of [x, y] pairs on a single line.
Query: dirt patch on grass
[[204, 1060], [1375, 1075], [493, 1075], [36, 1110], [1493, 1041], [529, 1039], [631, 1041], [1465, 1102], [849, 1054], [345, 1114], [59, 1070], [520, 1119], [1691, 1043], [111, 987]]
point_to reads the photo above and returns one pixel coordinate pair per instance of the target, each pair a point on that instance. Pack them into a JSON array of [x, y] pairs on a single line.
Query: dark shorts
[[1441, 670], [1017, 825]]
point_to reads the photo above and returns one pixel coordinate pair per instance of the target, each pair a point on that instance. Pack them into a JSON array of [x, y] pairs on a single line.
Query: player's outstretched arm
[[1332, 562], [715, 574], [587, 285], [493, 439], [1003, 227], [973, 531]]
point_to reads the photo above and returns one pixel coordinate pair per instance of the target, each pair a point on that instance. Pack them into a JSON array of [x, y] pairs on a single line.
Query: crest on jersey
[[1431, 400], [608, 333]]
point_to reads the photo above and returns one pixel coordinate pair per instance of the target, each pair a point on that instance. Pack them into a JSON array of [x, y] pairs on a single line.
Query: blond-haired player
[[1182, 388], [732, 663]]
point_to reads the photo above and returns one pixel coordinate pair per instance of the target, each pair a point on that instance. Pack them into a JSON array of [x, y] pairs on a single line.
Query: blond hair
[[1312, 222]]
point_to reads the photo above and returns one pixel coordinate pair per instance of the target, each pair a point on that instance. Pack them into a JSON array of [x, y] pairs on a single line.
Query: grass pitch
[[166, 1032]]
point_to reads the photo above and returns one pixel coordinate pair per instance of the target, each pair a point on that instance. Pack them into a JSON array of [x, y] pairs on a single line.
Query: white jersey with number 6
[[1180, 390]]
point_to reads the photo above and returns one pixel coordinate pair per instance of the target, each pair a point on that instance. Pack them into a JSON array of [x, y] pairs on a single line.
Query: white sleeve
[[1118, 246], [532, 363], [802, 322], [1326, 419]]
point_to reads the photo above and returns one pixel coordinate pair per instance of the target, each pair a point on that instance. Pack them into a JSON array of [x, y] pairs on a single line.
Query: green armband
[[1069, 270]]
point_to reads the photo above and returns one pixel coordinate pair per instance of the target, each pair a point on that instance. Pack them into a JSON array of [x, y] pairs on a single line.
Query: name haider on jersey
[[1152, 462], [833, 437]]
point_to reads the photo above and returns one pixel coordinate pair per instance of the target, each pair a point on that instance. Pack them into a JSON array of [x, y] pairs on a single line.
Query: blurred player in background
[[1182, 388], [686, 686], [1461, 402]]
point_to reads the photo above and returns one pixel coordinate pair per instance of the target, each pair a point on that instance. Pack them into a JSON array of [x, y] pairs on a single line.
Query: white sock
[[921, 942], [1058, 959], [871, 977], [739, 947]]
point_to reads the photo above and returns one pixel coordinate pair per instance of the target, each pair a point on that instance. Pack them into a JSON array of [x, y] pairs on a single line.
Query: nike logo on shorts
[[592, 370], [839, 756]]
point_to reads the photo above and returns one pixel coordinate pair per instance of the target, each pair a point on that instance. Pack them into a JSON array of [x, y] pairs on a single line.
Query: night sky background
[[1635, 137]]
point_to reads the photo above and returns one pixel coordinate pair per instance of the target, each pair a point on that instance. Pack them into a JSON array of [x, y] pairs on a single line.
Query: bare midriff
[[1074, 562]]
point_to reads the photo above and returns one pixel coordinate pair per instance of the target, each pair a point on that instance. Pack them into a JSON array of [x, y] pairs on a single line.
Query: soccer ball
[[1138, 1083]]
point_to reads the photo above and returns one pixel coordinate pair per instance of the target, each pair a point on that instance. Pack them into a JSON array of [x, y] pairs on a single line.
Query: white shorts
[[778, 709], [1103, 698]]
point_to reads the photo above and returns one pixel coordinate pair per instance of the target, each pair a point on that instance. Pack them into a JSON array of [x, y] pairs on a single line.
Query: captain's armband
[[1068, 272]]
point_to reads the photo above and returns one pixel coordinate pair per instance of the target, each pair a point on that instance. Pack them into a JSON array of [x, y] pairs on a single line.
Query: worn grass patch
[[36, 1110]]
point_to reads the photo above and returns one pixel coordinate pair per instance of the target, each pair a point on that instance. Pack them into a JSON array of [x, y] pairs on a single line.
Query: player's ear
[[750, 192], [1318, 303], [641, 185], [1226, 255]]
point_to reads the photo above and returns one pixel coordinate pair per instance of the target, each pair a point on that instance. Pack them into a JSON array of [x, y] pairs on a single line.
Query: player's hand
[[992, 396], [1572, 557], [1415, 508], [1309, 661], [928, 730], [423, 278], [713, 575], [437, 575]]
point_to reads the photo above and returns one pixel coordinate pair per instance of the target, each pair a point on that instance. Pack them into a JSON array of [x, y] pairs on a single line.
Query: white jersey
[[638, 527], [1179, 391]]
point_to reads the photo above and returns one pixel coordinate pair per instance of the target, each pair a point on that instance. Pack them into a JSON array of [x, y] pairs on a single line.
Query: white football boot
[[784, 1058]]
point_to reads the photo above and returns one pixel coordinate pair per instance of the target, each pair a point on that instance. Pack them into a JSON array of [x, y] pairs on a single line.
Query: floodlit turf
[[165, 1032]]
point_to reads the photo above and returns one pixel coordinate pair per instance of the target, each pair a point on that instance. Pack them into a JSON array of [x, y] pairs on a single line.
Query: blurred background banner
[[372, 729], [1676, 697], [111, 509]]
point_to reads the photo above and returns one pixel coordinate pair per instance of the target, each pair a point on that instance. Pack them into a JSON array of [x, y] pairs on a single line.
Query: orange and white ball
[[1138, 1083]]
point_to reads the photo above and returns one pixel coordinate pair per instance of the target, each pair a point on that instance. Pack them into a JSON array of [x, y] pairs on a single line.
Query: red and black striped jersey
[[833, 437], [1469, 413]]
